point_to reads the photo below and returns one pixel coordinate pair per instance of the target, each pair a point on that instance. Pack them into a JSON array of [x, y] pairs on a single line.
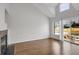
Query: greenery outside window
[[57, 27]]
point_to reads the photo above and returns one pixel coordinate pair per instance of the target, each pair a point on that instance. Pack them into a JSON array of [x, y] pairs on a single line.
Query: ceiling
[[76, 6], [48, 9]]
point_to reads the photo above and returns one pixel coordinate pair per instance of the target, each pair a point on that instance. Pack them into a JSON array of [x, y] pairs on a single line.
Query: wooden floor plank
[[37, 47]]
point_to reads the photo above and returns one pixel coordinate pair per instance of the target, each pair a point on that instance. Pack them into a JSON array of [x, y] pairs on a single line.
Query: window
[[71, 29], [57, 27], [64, 7], [67, 29]]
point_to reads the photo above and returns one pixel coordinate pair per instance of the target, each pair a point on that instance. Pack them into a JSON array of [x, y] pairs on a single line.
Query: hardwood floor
[[38, 47]]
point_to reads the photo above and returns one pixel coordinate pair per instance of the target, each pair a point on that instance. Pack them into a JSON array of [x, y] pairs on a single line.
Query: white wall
[[26, 23]]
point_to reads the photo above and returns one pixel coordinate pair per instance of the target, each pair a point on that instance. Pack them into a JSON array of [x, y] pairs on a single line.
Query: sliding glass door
[[66, 36], [71, 36], [67, 31], [75, 36]]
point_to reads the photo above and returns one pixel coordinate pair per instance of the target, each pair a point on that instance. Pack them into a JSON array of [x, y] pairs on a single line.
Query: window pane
[[71, 30], [67, 29], [64, 7], [57, 28], [75, 29]]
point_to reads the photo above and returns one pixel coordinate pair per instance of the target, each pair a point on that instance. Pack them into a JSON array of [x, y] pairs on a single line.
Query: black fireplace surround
[[4, 45]]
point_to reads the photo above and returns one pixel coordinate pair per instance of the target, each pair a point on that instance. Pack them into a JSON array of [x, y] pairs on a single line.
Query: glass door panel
[[71, 36], [75, 29], [75, 36], [56, 35], [57, 27], [66, 36], [67, 30]]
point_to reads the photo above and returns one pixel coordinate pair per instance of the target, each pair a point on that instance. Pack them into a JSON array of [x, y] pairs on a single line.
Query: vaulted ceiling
[[76, 6], [49, 8]]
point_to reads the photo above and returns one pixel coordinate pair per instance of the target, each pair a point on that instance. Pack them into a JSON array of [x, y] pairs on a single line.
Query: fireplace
[[3, 37]]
